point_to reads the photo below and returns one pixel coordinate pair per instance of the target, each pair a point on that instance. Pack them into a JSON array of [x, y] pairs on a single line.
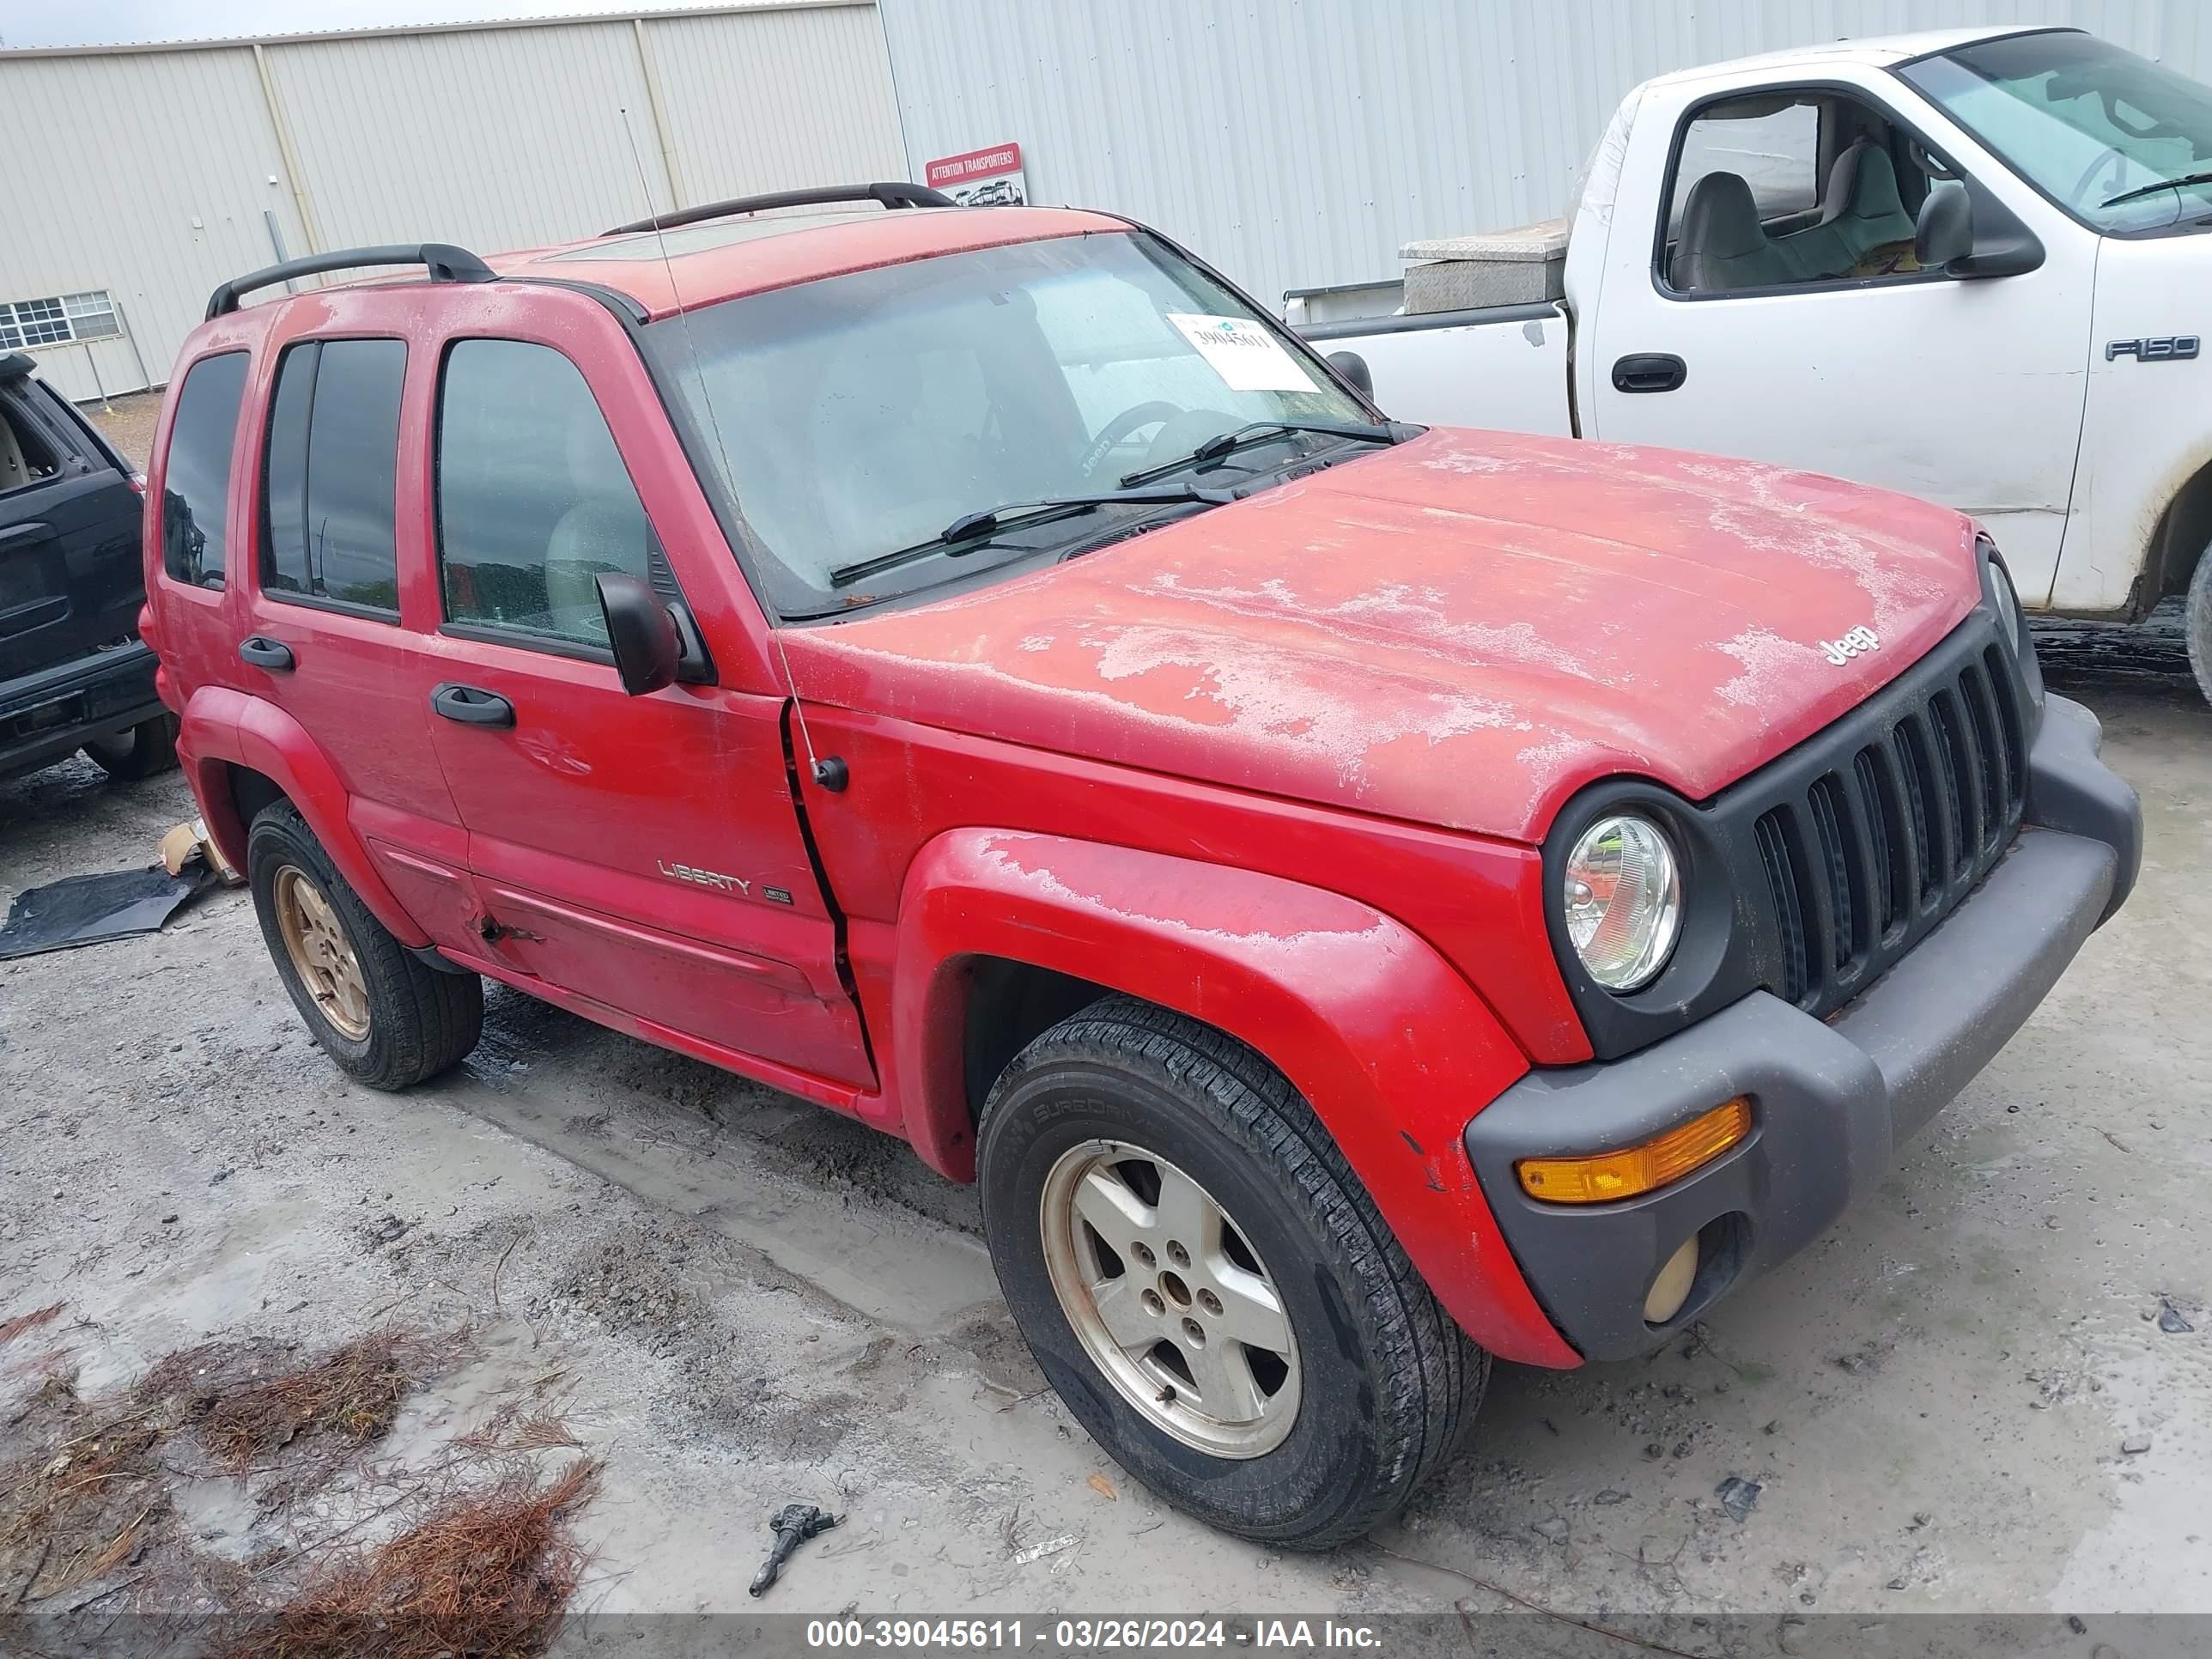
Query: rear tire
[[143, 751], [2197, 624], [1382, 1382], [387, 1018]]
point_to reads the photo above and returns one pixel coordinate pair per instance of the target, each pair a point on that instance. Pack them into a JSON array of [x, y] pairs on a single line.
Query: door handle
[[23, 535], [1650, 371], [264, 652], [471, 705]]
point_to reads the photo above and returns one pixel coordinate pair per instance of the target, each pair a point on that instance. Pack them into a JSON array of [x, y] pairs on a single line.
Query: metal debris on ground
[[1050, 1547], [93, 909], [792, 1524], [1738, 1496], [2170, 1320]]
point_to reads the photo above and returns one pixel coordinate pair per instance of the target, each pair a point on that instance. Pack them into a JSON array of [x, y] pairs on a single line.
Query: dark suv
[[73, 672]]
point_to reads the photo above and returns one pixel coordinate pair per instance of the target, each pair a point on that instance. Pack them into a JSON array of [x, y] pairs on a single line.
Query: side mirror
[[641, 631], [1354, 368], [1945, 231], [1964, 231]]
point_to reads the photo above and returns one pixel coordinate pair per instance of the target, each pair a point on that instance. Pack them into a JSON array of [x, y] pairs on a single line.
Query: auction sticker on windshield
[[1243, 353]]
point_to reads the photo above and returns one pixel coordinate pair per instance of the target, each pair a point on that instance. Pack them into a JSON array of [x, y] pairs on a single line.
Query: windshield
[[860, 415], [2082, 121]]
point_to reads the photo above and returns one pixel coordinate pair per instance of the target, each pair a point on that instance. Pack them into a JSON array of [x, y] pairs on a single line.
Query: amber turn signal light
[[1602, 1177]]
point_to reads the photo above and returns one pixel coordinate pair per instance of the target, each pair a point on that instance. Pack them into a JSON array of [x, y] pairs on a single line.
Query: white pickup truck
[[1970, 265]]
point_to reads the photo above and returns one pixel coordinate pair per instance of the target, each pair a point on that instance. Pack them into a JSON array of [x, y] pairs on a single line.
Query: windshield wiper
[[973, 531], [1253, 432], [2186, 179]]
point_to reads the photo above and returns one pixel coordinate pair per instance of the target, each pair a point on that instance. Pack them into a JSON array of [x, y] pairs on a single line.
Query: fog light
[[1602, 1177], [1672, 1288]]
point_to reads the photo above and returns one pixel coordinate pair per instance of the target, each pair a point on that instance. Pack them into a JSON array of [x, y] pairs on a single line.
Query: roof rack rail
[[894, 195], [447, 263]]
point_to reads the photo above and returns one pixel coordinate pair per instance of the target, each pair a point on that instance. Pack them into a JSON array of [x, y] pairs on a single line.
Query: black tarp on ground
[[89, 909]]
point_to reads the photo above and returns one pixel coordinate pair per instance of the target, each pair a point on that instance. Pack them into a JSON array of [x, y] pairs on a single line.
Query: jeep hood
[[1459, 631]]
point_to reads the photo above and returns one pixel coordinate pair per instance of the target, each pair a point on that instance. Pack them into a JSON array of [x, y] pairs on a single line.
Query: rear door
[[641, 852], [332, 636], [71, 578]]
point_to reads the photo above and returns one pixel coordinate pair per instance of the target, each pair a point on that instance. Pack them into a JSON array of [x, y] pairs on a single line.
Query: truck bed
[[1495, 366]]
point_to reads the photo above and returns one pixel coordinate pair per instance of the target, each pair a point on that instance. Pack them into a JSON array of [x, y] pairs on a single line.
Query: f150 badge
[[1841, 650], [2164, 348]]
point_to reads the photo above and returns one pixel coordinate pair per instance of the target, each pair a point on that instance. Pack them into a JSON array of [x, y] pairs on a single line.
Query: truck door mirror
[[1945, 230], [641, 631], [1964, 231], [1354, 368]]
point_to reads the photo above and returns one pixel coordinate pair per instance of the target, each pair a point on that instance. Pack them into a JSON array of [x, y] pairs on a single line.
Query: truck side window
[[1782, 190], [329, 521], [196, 485], [533, 499]]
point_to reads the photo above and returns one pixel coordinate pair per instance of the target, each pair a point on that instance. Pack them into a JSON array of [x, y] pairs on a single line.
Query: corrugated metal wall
[[1299, 142], [497, 139], [102, 190], [803, 99], [148, 173]]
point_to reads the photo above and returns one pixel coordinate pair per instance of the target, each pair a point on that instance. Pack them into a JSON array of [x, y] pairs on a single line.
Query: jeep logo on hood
[[1842, 650]]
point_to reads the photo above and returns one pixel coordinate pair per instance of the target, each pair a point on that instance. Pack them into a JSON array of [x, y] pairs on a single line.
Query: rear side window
[[533, 501], [329, 524], [27, 452], [196, 485], [1774, 149]]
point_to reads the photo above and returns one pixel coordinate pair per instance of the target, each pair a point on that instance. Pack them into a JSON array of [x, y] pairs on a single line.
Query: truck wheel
[[137, 752], [2197, 624], [1209, 1287], [386, 1017]]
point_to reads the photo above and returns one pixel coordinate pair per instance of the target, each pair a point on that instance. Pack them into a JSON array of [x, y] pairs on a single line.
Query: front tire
[[1209, 1287], [387, 1018], [143, 750], [2197, 624]]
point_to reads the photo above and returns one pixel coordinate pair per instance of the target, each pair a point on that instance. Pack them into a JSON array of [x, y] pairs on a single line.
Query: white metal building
[[1291, 142], [138, 178]]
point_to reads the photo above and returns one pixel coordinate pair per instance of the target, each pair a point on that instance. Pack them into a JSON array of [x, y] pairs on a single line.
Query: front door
[[641, 852], [1776, 313]]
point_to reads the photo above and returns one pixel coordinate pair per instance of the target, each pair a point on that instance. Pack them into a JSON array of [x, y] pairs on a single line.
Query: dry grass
[[489, 1572], [12, 1328], [350, 1394], [510, 1431], [84, 1487], [77, 1505], [483, 1563]]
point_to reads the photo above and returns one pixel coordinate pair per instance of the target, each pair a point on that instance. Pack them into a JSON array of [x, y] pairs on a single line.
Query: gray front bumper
[[1831, 1102]]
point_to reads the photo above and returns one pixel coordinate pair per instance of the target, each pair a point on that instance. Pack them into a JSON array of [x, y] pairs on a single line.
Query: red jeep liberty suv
[[1362, 900]]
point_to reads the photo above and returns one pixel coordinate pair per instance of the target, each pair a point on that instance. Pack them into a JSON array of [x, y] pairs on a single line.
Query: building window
[[56, 319]]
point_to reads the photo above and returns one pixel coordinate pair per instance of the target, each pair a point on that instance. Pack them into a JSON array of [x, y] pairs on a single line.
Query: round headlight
[[1623, 901]]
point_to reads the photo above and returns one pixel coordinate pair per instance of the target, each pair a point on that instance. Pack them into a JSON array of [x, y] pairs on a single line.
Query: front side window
[[533, 499], [858, 417], [1785, 189], [330, 528], [2097, 130], [195, 483]]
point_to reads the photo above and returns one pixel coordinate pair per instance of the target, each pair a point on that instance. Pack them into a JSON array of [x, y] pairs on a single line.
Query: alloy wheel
[[1168, 1299]]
